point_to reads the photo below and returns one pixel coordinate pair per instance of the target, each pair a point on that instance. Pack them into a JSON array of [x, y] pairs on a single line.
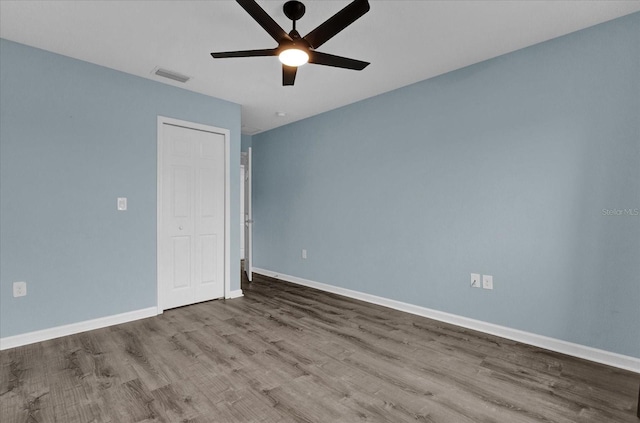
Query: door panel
[[209, 246], [181, 262], [180, 191]]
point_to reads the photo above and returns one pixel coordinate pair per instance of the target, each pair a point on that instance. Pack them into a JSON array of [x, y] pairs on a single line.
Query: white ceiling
[[405, 41]]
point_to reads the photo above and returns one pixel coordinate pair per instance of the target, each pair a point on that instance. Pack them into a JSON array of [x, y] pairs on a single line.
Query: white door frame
[[242, 168], [248, 217], [162, 120]]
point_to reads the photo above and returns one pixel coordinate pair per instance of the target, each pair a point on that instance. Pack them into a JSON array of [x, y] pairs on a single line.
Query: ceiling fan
[[294, 50]]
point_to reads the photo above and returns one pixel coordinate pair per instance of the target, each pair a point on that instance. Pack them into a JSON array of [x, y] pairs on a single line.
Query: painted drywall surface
[[501, 168], [245, 142], [74, 137]]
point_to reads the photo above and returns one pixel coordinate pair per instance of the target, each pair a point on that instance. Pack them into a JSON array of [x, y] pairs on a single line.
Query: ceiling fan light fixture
[[294, 50], [293, 57]]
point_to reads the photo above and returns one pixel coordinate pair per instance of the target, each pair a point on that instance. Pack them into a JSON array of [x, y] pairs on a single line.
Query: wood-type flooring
[[285, 353]]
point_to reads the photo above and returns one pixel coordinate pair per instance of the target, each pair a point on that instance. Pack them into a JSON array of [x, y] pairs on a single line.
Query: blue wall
[[501, 168], [246, 142], [73, 137]]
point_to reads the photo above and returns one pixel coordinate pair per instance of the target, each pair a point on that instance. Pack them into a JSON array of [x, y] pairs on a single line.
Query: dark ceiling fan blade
[[265, 21], [337, 23], [246, 53], [319, 58], [288, 74]]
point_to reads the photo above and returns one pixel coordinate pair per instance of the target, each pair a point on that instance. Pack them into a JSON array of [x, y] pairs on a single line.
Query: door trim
[[248, 216], [162, 120]]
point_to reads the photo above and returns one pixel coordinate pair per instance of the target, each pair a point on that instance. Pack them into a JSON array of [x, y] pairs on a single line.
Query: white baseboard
[[73, 328], [234, 294], [581, 351]]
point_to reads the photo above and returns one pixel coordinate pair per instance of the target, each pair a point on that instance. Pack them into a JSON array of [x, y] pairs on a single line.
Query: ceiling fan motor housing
[[296, 42]]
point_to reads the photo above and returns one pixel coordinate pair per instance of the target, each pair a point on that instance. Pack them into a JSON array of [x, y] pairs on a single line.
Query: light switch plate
[[122, 203], [487, 281], [475, 280]]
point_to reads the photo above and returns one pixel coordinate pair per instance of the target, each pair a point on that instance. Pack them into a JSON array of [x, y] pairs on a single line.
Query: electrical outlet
[[19, 289], [475, 280], [304, 253], [122, 203], [487, 281]]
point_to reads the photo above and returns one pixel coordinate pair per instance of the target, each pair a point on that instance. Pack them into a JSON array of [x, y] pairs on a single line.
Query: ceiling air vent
[[171, 75]]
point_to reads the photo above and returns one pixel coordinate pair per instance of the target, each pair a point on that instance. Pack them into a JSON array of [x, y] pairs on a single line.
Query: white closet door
[[192, 233]]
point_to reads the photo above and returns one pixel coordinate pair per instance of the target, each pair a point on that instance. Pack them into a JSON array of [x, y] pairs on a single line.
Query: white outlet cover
[[122, 203], [304, 254], [475, 280], [487, 281], [19, 289]]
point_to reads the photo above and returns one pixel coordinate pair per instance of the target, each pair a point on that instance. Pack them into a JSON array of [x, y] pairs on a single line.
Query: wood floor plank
[[285, 353]]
